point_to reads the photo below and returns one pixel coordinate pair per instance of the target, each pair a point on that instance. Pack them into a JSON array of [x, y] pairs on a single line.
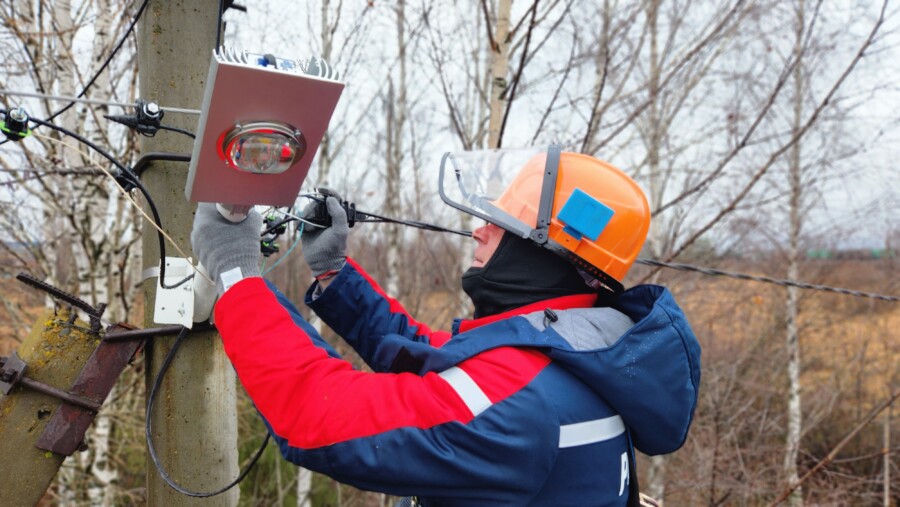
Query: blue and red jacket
[[522, 408]]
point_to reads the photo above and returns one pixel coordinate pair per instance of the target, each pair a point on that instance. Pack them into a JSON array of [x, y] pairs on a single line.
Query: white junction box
[[176, 305]]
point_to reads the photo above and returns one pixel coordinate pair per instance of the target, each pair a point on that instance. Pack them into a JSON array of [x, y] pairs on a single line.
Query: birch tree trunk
[[66, 264], [499, 72], [304, 487], [397, 111], [792, 338], [656, 473], [886, 486], [324, 155], [653, 128]]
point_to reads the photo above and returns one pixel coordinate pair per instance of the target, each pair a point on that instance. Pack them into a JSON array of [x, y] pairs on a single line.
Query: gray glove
[[325, 250], [221, 245]]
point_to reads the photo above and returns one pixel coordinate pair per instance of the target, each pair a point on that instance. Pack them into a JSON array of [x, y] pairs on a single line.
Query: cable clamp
[[146, 119], [15, 124]]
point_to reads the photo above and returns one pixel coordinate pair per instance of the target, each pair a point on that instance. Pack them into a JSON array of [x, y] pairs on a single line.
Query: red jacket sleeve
[[397, 433], [313, 399]]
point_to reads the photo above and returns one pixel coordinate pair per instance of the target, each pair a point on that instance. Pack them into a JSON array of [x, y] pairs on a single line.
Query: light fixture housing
[[261, 122]]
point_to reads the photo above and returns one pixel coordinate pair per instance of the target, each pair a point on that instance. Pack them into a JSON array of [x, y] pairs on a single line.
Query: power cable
[[149, 431], [373, 218], [105, 154], [365, 217], [127, 175], [178, 130], [368, 217], [62, 98], [106, 63], [120, 187], [767, 279]]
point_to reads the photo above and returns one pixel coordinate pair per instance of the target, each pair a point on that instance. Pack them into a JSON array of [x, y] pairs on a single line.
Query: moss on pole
[[55, 352]]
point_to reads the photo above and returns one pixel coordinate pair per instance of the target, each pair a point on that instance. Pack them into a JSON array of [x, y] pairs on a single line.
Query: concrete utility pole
[[195, 418]]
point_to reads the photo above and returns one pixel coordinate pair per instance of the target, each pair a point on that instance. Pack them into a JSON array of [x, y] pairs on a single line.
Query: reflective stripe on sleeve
[[467, 389], [590, 432]]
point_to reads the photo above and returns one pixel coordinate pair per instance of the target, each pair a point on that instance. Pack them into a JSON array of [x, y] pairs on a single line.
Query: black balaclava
[[520, 273]]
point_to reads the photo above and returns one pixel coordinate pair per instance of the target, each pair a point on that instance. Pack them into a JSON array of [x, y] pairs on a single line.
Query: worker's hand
[[221, 245], [325, 249]]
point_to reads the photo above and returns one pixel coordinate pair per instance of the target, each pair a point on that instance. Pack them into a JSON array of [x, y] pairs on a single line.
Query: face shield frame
[[539, 234]]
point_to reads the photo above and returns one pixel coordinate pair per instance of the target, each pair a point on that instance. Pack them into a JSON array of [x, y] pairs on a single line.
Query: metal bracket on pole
[[143, 163], [12, 373], [65, 431], [12, 369]]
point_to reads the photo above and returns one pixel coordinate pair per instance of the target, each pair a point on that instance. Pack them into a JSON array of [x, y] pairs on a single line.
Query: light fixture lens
[[263, 147]]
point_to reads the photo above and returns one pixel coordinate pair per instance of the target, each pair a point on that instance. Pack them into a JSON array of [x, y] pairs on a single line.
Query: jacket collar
[[560, 303]]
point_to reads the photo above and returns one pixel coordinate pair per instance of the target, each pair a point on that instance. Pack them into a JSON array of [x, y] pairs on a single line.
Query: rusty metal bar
[[140, 334], [65, 431], [59, 393]]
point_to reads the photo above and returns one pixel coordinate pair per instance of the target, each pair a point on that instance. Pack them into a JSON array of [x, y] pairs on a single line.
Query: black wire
[[122, 167], [367, 217], [179, 130], [129, 174], [106, 63], [219, 24], [149, 431], [373, 218], [277, 225]]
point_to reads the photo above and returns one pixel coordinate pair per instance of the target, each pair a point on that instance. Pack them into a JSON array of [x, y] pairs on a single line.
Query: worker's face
[[487, 238]]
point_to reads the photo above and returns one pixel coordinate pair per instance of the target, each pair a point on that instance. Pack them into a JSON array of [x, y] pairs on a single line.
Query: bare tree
[[734, 115], [82, 237], [795, 421]]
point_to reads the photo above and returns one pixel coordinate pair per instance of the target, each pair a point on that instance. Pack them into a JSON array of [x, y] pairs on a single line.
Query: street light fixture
[[260, 125]]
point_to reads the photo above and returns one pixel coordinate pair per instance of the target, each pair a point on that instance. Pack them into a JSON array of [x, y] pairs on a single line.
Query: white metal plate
[[176, 306]]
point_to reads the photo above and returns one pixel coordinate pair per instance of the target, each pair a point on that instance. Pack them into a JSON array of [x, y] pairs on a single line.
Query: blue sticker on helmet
[[584, 215]]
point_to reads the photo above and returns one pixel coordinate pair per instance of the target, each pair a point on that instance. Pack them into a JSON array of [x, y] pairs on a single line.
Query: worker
[[540, 399]]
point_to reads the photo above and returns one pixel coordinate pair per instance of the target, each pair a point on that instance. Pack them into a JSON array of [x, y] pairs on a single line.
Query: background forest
[[764, 133]]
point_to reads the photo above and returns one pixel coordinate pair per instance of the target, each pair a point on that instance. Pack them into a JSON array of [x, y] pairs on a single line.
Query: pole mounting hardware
[[12, 373]]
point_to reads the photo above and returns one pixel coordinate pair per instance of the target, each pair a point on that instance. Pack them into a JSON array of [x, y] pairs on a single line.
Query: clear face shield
[[478, 183]]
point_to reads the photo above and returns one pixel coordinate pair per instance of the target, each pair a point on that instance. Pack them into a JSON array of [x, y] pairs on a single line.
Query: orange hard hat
[[599, 216]]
